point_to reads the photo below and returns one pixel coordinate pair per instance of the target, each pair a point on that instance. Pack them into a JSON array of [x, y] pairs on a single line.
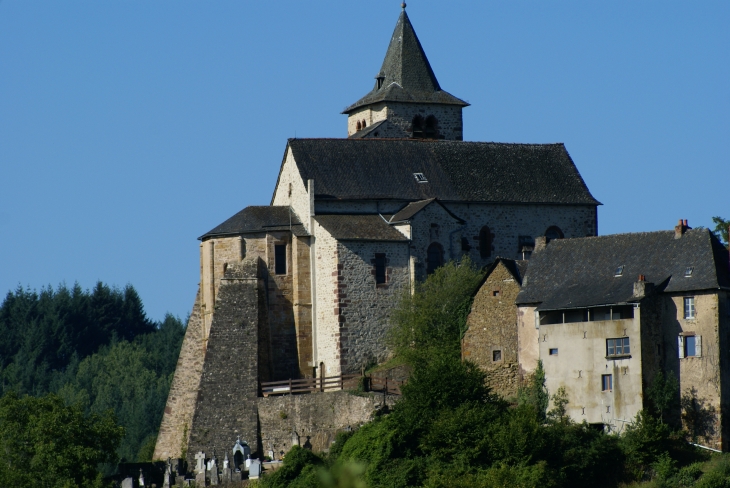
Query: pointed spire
[[406, 74]]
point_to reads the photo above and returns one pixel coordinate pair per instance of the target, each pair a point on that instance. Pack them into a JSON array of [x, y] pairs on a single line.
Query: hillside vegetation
[[95, 350], [450, 430]]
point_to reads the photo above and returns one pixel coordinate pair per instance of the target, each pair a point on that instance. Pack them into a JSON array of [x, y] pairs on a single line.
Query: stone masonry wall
[[362, 307], [370, 114], [327, 326], [214, 255], [492, 329], [450, 121], [701, 373], [312, 419], [281, 309], [292, 190], [177, 418], [226, 400], [431, 225], [302, 284]]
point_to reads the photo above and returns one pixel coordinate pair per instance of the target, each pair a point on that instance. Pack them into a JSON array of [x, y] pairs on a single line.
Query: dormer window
[[688, 271], [619, 271], [420, 177], [380, 79]]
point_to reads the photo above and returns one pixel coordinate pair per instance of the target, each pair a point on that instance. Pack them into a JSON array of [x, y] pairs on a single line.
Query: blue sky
[[130, 128]]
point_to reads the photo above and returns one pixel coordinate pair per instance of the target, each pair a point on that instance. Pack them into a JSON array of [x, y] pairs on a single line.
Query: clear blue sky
[[130, 128]]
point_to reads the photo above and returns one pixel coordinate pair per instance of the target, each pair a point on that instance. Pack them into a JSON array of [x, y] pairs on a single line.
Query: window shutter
[[698, 346], [680, 340], [537, 319]]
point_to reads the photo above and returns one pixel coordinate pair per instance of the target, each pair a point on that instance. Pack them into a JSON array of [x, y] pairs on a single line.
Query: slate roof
[[359, 227], [574, 273], [258, 219], [456, 171], [408, 76], [413, 208]]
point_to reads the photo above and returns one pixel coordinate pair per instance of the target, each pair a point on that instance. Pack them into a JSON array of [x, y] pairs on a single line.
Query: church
[[303, 287]]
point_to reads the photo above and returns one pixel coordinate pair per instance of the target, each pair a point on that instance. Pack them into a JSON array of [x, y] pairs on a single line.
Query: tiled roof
[[581, 272], [408, 76], [258, 219], [359, 227], [455, 170]]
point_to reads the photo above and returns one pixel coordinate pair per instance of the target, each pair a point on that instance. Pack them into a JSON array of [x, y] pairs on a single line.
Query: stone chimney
[[540, 243], [642, 288], [681, 228]]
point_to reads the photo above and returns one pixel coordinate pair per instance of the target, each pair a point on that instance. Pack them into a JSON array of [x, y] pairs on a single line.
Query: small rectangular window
[[554, 351], [618, 347], [606, 382], [689, 307], [380, 274], [688, 271], [280, 259], [619, 271], [495, 293], [420, 177], [497, 355], [690, 346]]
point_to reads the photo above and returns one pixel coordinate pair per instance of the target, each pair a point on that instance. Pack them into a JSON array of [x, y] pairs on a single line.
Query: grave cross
[[200, 459]]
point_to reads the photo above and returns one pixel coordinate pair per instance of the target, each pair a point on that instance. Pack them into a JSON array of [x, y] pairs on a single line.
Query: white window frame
[[690, 312], [682, 346]]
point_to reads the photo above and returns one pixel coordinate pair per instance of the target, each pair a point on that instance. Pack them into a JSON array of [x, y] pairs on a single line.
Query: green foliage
[[300, 470], [48, 444], [721, 229], [663, 395], [433, 318], [535, 393], [645, 440], [717, 475], [559, 412]]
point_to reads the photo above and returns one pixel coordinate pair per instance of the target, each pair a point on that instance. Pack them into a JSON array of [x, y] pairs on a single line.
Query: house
[[606, 314], [491, 336], [303, 287]]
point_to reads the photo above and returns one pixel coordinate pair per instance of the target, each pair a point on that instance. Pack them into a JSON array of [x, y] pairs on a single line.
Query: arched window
[[435, 257], [364, 124], [418, 127], [358, 125], [553, 232], [431, 129], [485, 242]]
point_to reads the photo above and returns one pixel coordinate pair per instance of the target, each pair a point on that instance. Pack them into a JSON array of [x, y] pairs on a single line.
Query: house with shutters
[[606, 314], [352, 223]]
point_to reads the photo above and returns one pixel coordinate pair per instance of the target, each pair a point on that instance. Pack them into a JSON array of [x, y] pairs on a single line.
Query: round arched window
[[435, 257], [485, 242], [431, 129], [554, 232], [417, 126], [358, 126]]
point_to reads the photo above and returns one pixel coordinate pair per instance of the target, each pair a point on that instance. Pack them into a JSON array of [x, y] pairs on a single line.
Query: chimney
[[540, 243], [681, 228], [642, 288]]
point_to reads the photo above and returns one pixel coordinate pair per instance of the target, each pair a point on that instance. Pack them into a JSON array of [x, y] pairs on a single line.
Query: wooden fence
[[340, 382]]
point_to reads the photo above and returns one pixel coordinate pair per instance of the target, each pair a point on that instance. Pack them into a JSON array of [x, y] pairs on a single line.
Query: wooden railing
[[340, 382]]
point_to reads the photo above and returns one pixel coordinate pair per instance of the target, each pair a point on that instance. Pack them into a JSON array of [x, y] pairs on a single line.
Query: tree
[[433, 318], [721, 230], [535, 393], [48, 444], [664, 395]]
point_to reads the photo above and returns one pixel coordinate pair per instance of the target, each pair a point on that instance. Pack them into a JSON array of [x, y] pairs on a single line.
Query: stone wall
[[491, 337], [431, 225], [702, 373], [177, 418], [214, 254], [292, 190], [528, 351], [327, 326], [302, 297], [450, 123], [362, 307], [226, 399], [313, 419]]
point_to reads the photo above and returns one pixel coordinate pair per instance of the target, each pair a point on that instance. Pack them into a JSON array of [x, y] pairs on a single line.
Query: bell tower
[[406, 100]]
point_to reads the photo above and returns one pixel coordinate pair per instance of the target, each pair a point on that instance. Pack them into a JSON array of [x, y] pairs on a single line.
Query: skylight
[[688, 271], [420, 177], [619, 271]]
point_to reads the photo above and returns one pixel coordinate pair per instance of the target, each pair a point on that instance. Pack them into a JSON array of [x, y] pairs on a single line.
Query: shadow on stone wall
[[698, 417]]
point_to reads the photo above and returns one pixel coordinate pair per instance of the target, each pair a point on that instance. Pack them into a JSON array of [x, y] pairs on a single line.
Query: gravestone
[[213, 469], [167, 480], [128, 482], [200, 469], [254, 469], [227, 478]]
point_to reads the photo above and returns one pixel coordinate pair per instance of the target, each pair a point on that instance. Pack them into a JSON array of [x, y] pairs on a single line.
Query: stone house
[[605, 314], [491, 336], [352, 224]]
